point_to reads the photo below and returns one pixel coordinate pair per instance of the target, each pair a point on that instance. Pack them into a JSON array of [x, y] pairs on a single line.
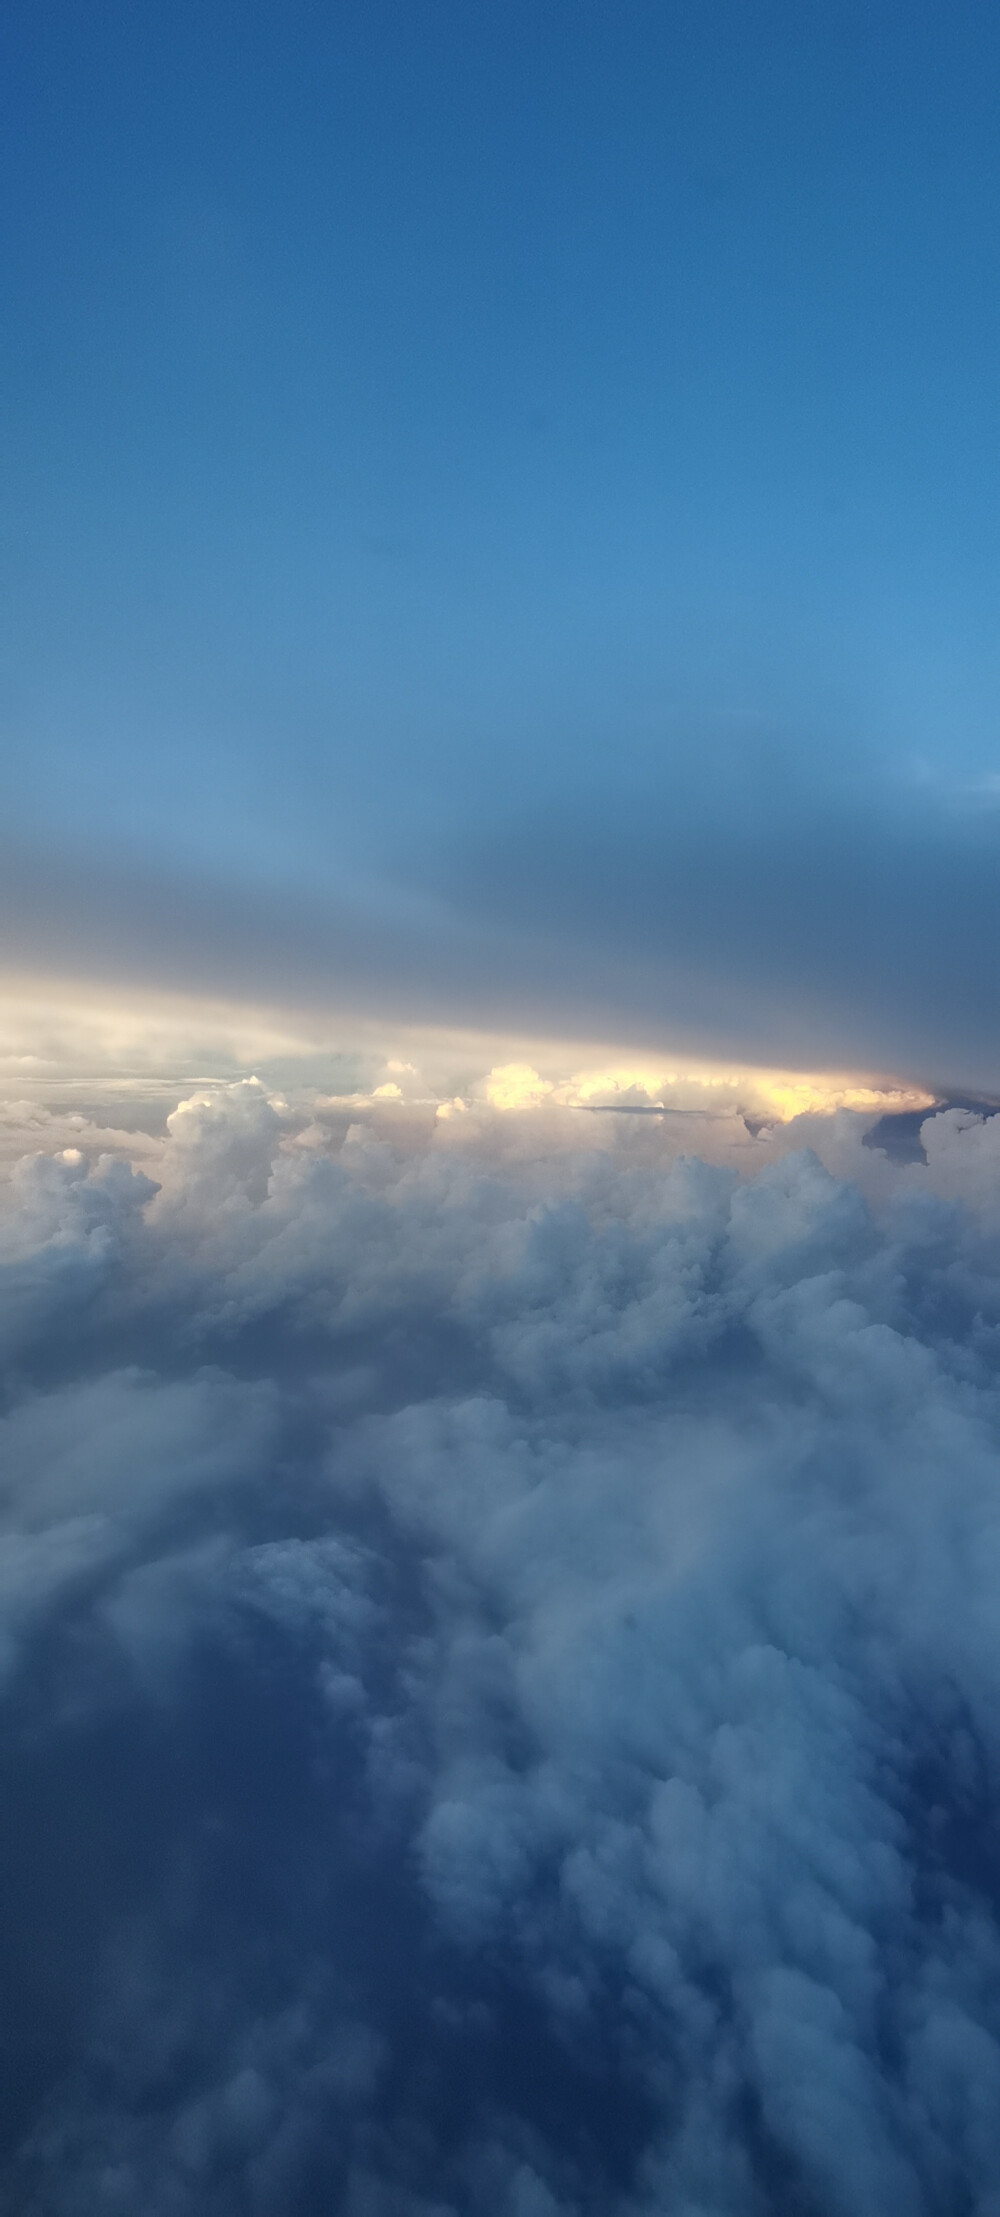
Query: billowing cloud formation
[[501, 1673]]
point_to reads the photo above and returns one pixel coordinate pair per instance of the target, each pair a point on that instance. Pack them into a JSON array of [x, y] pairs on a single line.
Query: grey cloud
[[502, 1675], [786, 923], [732, 906]]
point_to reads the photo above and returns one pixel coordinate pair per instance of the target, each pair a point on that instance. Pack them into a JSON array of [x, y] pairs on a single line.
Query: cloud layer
[[501, 1671], [739, 904]]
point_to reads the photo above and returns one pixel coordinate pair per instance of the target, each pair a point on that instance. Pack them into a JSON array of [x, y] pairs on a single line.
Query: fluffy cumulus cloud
[[500, 1677]]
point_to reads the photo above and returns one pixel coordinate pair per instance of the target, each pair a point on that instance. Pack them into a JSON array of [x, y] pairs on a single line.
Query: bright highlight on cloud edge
[[57, 1040]]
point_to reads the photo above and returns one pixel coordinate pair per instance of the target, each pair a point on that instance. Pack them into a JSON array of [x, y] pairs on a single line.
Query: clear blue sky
[[500, 510]]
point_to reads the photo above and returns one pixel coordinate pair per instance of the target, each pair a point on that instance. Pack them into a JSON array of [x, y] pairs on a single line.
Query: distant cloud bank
[[501, 1668], [82, 1056]]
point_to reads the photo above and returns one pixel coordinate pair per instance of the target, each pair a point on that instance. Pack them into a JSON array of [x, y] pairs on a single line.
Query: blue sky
[[500, 513]]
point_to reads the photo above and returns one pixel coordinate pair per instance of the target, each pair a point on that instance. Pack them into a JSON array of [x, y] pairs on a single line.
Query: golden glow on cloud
[[515, 1085], [56, 1037], [697, 1089], [714, 1089]]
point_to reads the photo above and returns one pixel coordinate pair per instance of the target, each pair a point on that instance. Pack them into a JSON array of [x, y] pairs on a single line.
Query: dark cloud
[[732, 906], [501, 1676], [784, 922]]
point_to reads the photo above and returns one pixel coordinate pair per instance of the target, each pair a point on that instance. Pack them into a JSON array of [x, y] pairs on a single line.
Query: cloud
[[82, 1063], [515, 1085], [731, 903], [501, 1670]]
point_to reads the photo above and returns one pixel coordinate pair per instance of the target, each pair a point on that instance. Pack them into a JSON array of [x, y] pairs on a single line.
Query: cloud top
[[501, 1670]]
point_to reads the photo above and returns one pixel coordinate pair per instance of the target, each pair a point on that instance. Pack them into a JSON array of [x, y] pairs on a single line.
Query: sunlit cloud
[[515, 1085], [58, 1044]]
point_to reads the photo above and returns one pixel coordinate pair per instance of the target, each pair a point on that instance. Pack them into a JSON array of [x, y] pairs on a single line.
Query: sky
[[499, 1088], [499, 518]]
